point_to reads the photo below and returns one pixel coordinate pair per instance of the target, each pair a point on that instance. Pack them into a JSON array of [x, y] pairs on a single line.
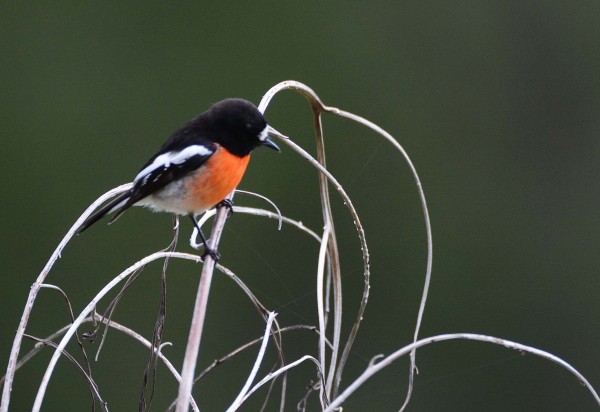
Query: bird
[[198, 165]]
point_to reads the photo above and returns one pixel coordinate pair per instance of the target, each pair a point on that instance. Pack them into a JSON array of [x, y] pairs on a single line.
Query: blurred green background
[[497, 103]]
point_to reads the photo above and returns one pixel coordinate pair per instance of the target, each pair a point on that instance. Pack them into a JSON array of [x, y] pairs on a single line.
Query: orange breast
[[215, 180]]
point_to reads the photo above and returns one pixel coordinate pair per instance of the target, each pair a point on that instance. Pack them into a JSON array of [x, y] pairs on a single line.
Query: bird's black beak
[[268, 142]]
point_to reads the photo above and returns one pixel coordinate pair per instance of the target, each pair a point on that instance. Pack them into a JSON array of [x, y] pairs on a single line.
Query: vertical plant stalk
[[199, 315], [335, 373], [334, 256], [319, 107], [334, 259], [363, 243], [321, 301]]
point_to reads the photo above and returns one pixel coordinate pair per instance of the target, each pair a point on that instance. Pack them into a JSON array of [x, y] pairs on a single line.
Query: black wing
[[167, 167], [185, 151]]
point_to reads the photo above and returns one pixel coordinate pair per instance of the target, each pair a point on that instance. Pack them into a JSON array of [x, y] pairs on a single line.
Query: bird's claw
[[212, 253], [227, 203]]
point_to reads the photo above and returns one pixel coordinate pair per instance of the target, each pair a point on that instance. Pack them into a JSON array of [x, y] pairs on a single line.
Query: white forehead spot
[[166, 159], [264, 134]]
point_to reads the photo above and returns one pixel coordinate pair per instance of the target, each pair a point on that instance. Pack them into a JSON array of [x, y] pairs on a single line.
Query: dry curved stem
[[112, 324], [261, 308], [16, 347], [93, 303], [265, 313], [362, 239], [89, 309], [235, 352], [253, 212], [130, 332], [427, 221], [206, 278], [201, 300], [265, 213], [157, 333], [217, 362], [335, 270], [261, 354], [284, 369], [88, 377], [318, 106], [375, 368], [193, 242], [37, 348], [310, 388], [72, 318], [320, 301], [212, 212], [109, 312], [88, 372], [266, 199]]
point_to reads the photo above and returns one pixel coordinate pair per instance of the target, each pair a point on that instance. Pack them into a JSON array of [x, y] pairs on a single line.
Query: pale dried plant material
[[372, 369], [318, 107], [35, 288], [90, 308], [261, 354], [332, 354], [193, 346]]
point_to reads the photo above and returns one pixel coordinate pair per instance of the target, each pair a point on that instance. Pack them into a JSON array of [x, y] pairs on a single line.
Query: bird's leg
[[227, 203], [207, 250]]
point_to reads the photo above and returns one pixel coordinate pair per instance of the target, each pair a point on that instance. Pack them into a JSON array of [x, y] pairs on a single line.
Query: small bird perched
[[198, 166]]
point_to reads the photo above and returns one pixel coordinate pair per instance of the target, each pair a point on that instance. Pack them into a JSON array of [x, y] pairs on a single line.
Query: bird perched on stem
[[198, 166]]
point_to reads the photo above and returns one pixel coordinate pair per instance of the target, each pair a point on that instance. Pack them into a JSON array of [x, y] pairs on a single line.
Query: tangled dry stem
[[329, 377]]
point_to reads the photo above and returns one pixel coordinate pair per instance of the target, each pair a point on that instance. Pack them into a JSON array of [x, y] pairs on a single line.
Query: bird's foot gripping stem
[[228, 204]]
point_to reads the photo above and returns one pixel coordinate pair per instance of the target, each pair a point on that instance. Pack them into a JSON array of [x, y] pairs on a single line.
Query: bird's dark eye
[[248, 125]]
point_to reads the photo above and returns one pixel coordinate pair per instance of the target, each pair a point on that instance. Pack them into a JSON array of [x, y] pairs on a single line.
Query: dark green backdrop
[[496, 102]]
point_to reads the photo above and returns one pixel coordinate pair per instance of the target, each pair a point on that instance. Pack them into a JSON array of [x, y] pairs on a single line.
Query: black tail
[[119, 205]]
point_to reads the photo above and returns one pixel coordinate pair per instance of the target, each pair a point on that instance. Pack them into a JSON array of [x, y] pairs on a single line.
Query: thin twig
[[284, 369], [159, 324], [332, 246], [77, 338], [265, 213], [261, 353], [16, 347], [363, 243], [109, 312], [372, 369], [427, 221], [317, 103], [318, 107], [130, 332], [115, 325], [320, 300], [90, 307], [92, 384], [265, 313], [237, 351], [217, 362], [266, 199]]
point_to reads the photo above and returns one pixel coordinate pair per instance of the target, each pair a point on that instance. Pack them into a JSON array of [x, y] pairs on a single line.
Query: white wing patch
[[166, 159]]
